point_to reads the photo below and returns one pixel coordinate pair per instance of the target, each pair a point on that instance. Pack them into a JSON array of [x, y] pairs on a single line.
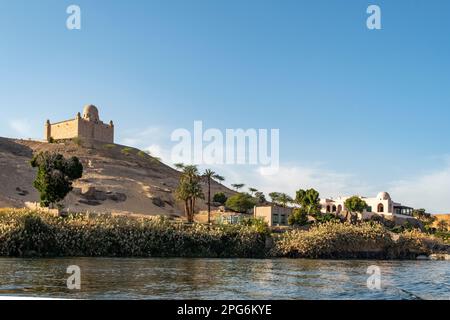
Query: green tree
[[299, 217], [426, 218], [260, 197], [284, 199], [355, 205], [309, 200], [179, 166], [238, 186], [189, 190], [281, 199], [55, 176], [442, 225], [252, 191], [241, 202], [274, 196], [220, 197], [208, 176]]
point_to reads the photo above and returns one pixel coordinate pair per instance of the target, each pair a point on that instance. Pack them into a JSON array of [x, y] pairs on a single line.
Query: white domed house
[[382, 205], [88, 127]]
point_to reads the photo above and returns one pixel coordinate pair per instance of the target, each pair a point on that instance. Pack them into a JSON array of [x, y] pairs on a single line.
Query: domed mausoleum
[[88, 127]]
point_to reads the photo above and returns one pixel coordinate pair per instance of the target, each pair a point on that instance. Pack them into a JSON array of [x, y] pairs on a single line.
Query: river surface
[[158, 278]]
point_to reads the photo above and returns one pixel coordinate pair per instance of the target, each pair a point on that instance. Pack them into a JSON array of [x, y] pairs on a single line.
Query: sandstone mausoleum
[[87, 127]]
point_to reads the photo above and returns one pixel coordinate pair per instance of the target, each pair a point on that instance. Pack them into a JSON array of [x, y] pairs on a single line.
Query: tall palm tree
[[211, 175], [189, 189], [252, 191], [237, 186], [179, 166], [284, 199]]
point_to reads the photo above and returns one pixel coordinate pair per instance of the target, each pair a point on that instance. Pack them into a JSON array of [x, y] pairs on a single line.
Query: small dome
[[90, 112], [384, 196]]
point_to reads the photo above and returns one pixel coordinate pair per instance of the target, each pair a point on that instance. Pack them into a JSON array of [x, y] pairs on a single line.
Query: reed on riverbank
[[25, 233], [334, 240]]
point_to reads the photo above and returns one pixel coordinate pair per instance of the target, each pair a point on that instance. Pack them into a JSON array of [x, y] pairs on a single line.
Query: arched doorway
[[380, 208], [339, 209], [334, 208], [328, 208]]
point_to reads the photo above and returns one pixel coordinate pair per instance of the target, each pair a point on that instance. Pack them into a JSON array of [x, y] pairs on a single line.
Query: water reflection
[[106, 278]]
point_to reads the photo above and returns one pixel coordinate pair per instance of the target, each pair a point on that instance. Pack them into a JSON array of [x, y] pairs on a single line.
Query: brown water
[[157, 278]]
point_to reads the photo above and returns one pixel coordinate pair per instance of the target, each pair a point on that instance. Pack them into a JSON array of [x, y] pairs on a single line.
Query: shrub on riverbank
[[333, 240], [413, 243], [26, 233]]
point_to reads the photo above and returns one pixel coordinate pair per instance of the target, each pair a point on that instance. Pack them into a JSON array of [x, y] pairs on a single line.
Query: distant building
[[87, 127], [273, 215], [231, 218], [382, 204]]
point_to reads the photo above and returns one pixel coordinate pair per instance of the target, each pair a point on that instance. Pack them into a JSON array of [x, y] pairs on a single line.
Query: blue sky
[[359, 111]]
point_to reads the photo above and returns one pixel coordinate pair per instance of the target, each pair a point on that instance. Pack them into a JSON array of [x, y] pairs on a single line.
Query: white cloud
[[430, 191]]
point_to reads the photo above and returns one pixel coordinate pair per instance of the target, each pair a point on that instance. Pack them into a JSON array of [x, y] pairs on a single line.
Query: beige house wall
[[273, 215]]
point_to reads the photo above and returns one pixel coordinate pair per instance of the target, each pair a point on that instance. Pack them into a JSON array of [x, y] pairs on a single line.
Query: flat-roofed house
[[274, 215], [382, 204]]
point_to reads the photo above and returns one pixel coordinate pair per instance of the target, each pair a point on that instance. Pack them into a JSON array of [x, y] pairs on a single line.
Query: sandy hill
[[116, 179]]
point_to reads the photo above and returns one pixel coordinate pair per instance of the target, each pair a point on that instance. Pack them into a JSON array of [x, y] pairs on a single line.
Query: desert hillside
[[116, 179]]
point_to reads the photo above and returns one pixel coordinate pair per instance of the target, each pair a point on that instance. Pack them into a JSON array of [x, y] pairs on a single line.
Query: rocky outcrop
[[90, 195]]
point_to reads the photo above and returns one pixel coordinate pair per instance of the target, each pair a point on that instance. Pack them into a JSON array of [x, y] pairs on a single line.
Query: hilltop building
[[382, 204], [87, 127]]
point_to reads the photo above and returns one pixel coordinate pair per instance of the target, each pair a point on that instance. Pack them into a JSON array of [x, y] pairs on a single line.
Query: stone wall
[[96, 131], [80, 128], [62, 130]]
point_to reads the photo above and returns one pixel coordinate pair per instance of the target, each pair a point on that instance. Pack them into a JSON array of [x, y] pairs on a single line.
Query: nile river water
[[157, 278]]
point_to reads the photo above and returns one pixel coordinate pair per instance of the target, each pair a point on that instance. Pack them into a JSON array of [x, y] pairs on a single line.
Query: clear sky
[[359, 111]]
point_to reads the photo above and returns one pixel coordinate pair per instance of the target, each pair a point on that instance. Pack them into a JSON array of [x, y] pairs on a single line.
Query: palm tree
[[211, 175], [274, 196], [280, 198], [238, 186], [189, 189], [179, 166], [284, 199], [252, 191], [260, 197]]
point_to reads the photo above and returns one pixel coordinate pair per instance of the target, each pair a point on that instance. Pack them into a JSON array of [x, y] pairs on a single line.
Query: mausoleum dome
[[90, 112], [384, 196]]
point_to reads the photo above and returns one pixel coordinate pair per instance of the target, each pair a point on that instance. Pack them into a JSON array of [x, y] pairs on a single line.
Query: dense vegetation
[[27, 233], [240, 202], [346, 240]]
